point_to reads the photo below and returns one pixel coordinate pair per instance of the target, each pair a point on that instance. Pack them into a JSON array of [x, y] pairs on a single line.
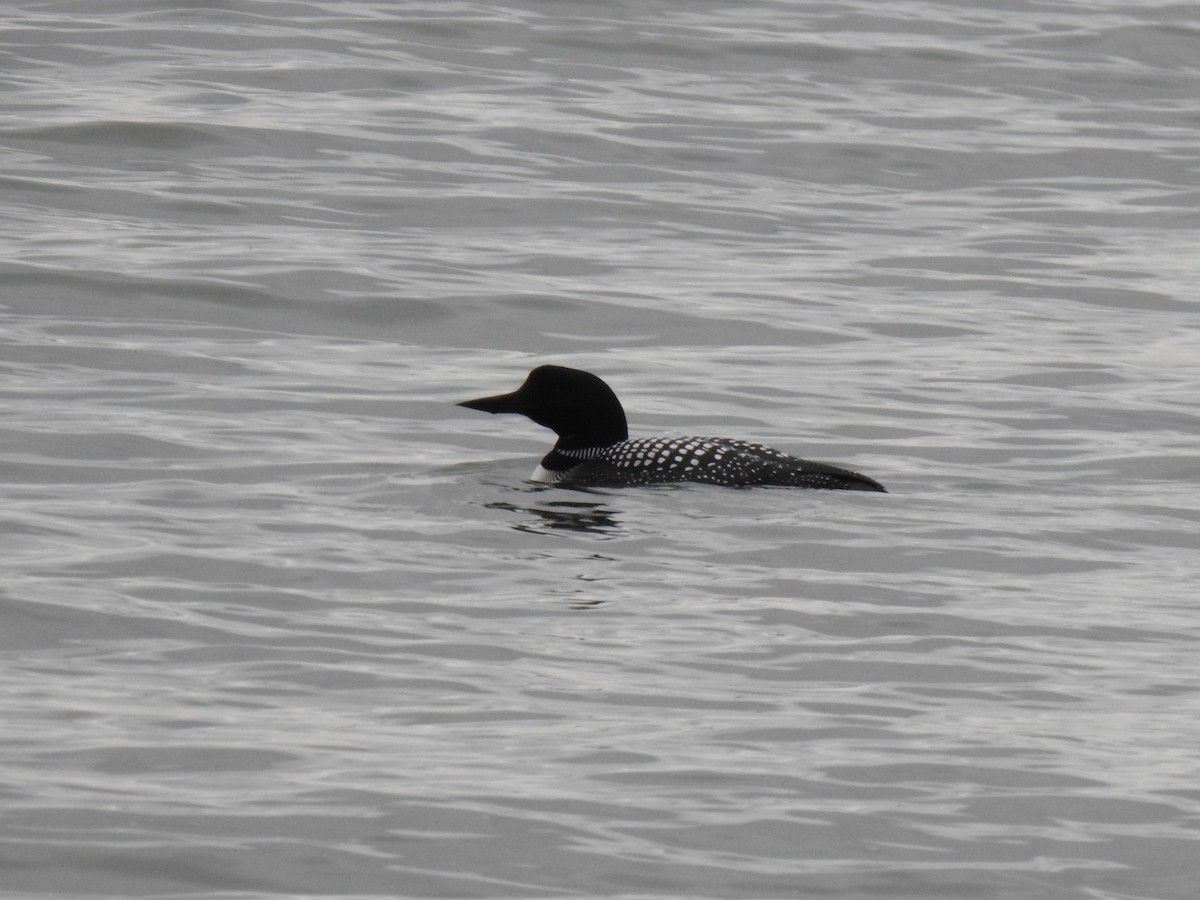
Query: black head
[[580, 408]]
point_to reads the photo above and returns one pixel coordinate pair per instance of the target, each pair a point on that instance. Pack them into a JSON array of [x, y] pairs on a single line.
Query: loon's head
[[580, 408]]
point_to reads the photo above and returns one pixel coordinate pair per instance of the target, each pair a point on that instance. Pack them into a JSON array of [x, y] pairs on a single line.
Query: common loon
[[594, 450]]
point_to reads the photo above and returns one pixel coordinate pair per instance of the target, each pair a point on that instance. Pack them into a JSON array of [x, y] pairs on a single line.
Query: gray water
[[277, 619]]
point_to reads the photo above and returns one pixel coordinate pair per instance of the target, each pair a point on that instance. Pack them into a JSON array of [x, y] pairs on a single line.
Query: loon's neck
[[561, 458], [576, 441]]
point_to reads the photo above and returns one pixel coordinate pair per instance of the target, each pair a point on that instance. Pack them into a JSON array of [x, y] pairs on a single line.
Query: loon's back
[[704, 460]]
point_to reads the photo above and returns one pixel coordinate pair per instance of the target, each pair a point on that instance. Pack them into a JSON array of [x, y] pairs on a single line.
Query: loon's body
[[594, 449]]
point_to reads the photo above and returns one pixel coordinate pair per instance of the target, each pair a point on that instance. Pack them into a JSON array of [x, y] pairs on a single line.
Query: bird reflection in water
[[563, 515]]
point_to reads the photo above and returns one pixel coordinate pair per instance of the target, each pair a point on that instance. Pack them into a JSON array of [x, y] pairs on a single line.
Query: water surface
[[280, 620]]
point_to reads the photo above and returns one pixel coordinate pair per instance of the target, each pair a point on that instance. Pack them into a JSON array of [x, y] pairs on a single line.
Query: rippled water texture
[[277, 619]]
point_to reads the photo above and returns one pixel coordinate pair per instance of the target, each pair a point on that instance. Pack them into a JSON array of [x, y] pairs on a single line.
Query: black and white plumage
[[594, 449]]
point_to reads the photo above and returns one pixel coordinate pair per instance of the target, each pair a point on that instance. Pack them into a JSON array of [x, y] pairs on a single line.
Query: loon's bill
[[594, 449]]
